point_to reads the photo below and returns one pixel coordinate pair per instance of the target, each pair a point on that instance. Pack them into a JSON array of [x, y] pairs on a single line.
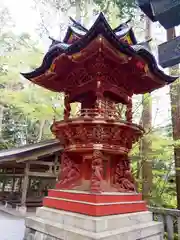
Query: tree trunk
[[139, 160], [146, 148], [1, 119], [147, 177], [41, 128], [175, 115], [78, 10]]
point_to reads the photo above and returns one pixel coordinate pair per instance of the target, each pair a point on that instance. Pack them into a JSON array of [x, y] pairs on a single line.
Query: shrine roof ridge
[[78, 25], [72, 30], [101, 28], [79, 30]]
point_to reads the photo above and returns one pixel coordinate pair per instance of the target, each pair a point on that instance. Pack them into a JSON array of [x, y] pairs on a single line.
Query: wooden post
[[13, 184], [4, 183], [20, 183], [4, 180], [29, 183], [56, 163], [25, 185], [51, 169], [13, 181]]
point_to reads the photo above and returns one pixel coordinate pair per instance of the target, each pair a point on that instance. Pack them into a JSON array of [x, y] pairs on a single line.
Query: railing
[[170, 219], [97, 113]]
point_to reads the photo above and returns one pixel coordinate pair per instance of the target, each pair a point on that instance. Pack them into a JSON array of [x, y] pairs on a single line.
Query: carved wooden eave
[[130, 62]]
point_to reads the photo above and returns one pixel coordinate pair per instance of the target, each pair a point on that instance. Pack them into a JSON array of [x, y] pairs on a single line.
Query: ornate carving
[[129, 114], [68, 135], [87, 133], [97, 171], [81, 135], [67, 107], [77, 77], [70, 172], [98, 66], [123, 179], [117, 133], [98, 133]]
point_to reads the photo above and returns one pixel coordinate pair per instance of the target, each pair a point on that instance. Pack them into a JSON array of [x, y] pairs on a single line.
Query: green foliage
[[28, 109], [125, 8], [164, 190]]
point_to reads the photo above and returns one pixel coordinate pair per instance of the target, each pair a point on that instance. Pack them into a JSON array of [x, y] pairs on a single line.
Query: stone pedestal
[[76, 215], [51, 224]]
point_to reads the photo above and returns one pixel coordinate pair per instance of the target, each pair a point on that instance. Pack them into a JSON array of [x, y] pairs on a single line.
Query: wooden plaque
[[169, 53], [145, 6], [167, 12]]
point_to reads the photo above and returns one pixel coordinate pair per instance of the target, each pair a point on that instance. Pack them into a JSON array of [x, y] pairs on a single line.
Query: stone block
[[50, 214], [134, 226], [50, 238], [155, 237], [30, 237], [29, 234], [47, 227], [94, 224], [74, 236], [39, 236]]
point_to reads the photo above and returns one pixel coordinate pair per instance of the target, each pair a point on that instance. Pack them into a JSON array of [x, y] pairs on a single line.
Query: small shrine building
[[96, 196], [27, 172]]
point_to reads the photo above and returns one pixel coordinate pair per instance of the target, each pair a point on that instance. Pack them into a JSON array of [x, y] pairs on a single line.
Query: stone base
[[51, 224]]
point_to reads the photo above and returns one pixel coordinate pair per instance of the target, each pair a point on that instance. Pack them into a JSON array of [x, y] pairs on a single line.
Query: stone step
[[159, 236], [93, 224], [45, 228]]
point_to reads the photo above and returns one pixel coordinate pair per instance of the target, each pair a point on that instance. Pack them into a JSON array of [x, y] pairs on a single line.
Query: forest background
[[27, 111]]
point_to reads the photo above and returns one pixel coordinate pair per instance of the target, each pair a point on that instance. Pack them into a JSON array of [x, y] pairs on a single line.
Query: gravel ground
[[11, 228]]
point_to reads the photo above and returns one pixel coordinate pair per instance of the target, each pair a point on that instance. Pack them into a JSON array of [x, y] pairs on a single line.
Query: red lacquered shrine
[[98, 68]]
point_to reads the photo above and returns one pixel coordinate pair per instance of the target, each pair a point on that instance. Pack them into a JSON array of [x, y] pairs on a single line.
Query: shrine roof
[[28, 151], [78, 31], [78, 25], [122, 39]]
